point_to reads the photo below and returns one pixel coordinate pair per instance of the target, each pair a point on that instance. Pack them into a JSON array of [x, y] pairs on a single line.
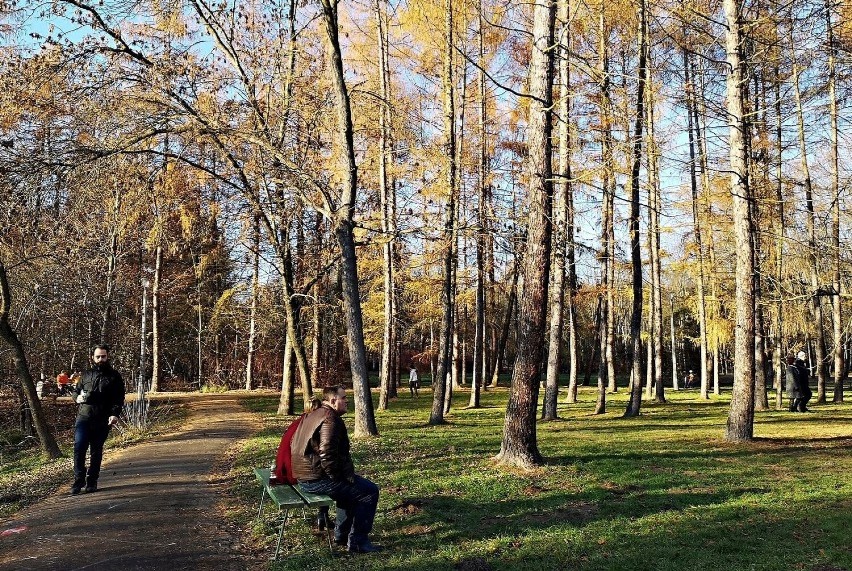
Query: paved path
[[155, 509]]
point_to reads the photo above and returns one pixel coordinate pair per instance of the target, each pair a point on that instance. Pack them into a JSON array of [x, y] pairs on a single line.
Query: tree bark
[[255, 277], [836, 299], [155, 319], [740, 425], [634, 403], [439, 382], [655, 201], [479, 360], [387, 193], [607, 225], [519, 445], [342, 220], [689, 89]]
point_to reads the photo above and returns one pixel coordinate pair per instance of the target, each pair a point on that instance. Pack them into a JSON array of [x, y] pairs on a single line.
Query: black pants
[[89, 434]]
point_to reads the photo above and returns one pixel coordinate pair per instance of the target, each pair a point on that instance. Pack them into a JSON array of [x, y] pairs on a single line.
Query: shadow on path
[[155, 509]]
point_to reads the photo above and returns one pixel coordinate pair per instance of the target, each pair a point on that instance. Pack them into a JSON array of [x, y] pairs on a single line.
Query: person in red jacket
[[62, 380]]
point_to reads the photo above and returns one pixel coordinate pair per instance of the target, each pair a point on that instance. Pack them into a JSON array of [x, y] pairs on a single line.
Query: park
[[570, 280], [662, 491]]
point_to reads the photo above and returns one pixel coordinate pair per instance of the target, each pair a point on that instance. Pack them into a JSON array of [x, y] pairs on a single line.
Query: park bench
[[287, 498]]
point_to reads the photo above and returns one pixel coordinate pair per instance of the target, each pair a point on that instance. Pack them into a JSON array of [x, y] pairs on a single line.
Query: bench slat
[[314, 500], [283, 495]]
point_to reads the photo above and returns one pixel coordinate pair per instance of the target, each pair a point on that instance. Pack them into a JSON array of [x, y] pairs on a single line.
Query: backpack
[[283, 467]]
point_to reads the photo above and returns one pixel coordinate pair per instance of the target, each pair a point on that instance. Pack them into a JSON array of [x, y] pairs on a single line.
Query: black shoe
[[91, 488], [75, 490], [366, 547]]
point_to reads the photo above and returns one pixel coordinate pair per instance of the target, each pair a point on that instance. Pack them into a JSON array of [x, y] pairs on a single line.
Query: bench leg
[[281, 534], [328, 533], [260, 508]]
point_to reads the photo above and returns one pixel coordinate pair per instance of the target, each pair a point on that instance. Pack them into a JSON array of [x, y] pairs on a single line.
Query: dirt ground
[[155, 509]]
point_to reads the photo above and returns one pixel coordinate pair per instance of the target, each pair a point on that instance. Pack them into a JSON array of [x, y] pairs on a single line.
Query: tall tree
[[343, 226], [837, 315], [439, 381], [519, 446], [740, 424], [635, 401]]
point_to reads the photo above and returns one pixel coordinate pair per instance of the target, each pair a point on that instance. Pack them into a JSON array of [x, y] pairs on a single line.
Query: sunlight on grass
[[660, 492]]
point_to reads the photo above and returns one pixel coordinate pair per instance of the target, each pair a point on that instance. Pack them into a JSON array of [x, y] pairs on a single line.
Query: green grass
[[660, 492]]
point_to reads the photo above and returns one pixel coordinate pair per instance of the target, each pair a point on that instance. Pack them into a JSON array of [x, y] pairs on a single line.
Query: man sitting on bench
[[322, 464]]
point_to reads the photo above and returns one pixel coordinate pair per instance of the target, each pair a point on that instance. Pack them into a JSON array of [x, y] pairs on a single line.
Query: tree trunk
[[607, 226], [819, 349], [519, 445], [46, 439], [286, 401], [740, 425], [689, 89], [365, 421], [155, 320], [479, 360], [507, 321], [112, 262], [635, 402], [255, 277], [386, 198], [839, 367], [439, 383], [674, 343], [655, 200]]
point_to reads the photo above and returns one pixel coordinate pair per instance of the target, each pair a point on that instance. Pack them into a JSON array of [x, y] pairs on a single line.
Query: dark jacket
[[104, 390], [320, 447], [797, 380]]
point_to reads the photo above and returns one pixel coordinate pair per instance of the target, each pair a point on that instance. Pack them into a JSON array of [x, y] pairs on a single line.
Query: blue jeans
[[89, 434], [356, 506]]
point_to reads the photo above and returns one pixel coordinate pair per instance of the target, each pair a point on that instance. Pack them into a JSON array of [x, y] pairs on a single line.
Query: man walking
[[322, 465], [100, 394]]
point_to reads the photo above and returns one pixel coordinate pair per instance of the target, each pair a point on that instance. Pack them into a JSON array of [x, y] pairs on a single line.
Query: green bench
[[287, 498]]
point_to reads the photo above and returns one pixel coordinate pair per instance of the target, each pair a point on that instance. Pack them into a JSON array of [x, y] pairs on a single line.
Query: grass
[[659, 492]]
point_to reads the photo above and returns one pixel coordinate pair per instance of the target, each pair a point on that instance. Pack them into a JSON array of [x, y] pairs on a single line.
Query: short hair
[[103, 346], [329, 392]]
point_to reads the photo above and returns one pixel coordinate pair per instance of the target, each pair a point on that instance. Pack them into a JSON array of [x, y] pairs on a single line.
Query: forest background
[[292, 195]]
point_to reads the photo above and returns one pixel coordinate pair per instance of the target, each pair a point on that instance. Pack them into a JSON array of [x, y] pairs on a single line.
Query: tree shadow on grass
[[700, 532]]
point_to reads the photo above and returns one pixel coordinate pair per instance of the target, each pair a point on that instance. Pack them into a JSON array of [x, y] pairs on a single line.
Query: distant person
[[689, 379], [62, 380], [40, 387], [100, 394], [413, 381], [323, 465], [802, 392]]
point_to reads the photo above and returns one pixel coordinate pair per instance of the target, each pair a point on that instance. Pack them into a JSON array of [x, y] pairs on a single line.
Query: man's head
[[100, 354], [801, 356], [335, 397], [791, 359]]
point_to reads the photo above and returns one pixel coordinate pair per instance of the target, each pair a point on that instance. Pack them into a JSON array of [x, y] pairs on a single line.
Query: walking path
[[155, 509]]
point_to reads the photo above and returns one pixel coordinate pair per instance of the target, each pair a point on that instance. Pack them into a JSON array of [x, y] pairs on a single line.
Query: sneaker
[[91, 488], [366, 547], [75, 490]]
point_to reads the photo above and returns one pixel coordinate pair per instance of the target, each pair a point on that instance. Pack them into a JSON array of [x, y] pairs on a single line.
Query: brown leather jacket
[[320, 447]]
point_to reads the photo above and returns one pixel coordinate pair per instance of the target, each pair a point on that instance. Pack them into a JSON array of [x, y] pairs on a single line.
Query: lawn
[[658, 492]]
